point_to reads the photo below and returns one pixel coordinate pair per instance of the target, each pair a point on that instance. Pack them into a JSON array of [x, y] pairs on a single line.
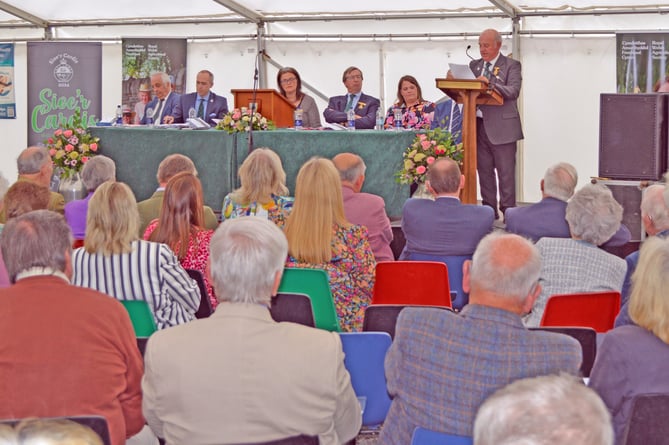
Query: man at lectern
[[497, 127]]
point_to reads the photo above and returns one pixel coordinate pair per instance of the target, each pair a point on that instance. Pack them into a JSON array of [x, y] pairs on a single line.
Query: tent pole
[[262, 63]]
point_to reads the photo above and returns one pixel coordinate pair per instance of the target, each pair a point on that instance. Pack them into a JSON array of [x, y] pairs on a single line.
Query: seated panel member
[[165, 101], [417, 113], [207, 104], [365, 106]]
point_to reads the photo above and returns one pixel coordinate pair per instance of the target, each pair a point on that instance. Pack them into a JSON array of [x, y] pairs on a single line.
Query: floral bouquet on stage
[[71, 146], [238, 121], [424, 150]]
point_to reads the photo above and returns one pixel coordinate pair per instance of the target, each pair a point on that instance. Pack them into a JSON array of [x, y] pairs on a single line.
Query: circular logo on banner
[[63, 72]]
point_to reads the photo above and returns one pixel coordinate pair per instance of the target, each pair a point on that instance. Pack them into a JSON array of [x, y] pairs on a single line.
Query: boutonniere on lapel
[[361, 105], [495, 71]]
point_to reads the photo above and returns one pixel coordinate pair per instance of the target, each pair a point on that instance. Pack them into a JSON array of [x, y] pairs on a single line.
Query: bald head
[[560, 181], [351, 169], [444, 177]]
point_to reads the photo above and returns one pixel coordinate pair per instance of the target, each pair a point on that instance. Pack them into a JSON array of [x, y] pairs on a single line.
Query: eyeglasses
[[289, 80], [354, 77]]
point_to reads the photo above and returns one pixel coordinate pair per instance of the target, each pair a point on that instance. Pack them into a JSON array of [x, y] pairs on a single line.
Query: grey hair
[[246, 254], [498, 35], [506, 264], [31, 160], [352, 173], [545, 410], [163, 76], [560, 181], [40, 238], [98, 170], [593, 214], [653, 205]]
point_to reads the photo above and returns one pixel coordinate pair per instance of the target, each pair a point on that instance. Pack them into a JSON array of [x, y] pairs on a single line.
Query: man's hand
[[168, 119]]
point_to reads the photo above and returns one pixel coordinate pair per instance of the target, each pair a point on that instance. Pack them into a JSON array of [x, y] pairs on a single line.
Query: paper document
[[461, 71]]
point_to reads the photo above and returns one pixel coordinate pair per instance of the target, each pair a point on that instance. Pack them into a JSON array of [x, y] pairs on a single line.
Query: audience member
[[290, 86], [655, 219], [149, 209], [181, 226], [576, 264], [250, 379], [206, 104], [55, 432], [364, 209], [545, 410], [114, 261], [364, 106], [164, 103], [67, 350], [632, 359], [417, 113], [443, 226], [144, 96], [546, 218], [442, 365], [263, 190], [96, 171], [319, 236]]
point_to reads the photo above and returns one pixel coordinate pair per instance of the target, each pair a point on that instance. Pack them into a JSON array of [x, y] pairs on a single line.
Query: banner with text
[[642, 62], [62, 77], [7, 100]]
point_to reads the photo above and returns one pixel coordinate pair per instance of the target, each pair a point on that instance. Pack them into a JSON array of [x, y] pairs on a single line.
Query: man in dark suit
[[444, 226], [165, 101], [365, 106], [497, 127], [206, 104], [442, 365]]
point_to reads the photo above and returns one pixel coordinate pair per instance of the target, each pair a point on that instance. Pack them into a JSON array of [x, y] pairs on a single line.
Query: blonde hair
[[649, 304], [112, 222], [261, 175], [318, 208]]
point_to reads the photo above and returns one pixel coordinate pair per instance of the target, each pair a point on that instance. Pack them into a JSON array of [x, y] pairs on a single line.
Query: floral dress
[[351, 272], [419, 116], [276, 211], [196, 257]]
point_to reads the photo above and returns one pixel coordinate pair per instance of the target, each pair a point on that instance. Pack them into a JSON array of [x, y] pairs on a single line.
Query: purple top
[[75, 215]]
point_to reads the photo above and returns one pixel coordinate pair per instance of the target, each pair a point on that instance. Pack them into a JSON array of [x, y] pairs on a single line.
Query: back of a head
[[654, 205], [36, 239], [444, 176], [593, 214], [25, 196], [97, 170], [173, 164], [546, 410], [261, 175], [55, 432], [560, 181], [246, 255], [112, 221], [31, 160], [350, 166]]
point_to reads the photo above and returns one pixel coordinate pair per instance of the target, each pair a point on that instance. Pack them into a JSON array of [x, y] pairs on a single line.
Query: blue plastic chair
[[365, 355], [422, 436], [454, 265]]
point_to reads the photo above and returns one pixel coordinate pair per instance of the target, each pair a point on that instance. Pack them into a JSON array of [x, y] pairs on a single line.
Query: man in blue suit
[[164, 102], [365, 106], [206, 104], [444, 226]]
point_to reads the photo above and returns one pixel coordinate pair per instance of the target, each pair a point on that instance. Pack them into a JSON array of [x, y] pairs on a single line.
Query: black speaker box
[[628, 194], [633, 136]]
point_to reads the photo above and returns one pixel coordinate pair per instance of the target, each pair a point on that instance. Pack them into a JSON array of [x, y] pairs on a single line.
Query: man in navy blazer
[[206, 104], [365, 106], [444, 226], [164, 102], [498, 127]]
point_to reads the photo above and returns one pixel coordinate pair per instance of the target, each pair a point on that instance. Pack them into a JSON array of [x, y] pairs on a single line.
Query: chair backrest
[[205, 309], [97, 423], [647, 424], [140, 316], [418, 283], [422, 436], [454, 266], [383, 317], [365, 353], [597, 310], [292, 307], [315, 284], [587, 337]]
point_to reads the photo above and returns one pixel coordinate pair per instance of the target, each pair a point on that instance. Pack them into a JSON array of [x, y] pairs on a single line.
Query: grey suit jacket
[[366, 109], [217, 106], [502, 123], [168, 108]]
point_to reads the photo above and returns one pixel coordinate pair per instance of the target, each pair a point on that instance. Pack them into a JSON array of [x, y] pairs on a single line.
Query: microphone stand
[[253, 100]]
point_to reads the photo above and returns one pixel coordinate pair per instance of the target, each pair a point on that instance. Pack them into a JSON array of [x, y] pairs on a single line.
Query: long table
[[137, 152]]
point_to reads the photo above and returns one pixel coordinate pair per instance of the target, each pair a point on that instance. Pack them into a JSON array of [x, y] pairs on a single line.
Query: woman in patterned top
[[417, 113], [320, 237], [263, 189], [181, 226]]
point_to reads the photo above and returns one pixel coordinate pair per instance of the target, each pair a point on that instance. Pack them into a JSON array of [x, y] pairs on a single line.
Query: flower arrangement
[[71, 146], [238, 121], [424, 150]]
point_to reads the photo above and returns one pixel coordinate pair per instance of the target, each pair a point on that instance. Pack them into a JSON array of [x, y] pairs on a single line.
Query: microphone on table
[[467, 52]]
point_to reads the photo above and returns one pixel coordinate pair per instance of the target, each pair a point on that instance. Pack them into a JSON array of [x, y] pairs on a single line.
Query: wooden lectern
[[470, 93], [270, 104]]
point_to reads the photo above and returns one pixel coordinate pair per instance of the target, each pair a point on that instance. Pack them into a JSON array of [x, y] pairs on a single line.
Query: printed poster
[[7, 100], [642, 62]]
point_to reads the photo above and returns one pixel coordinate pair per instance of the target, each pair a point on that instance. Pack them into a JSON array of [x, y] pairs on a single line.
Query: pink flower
[[84, 159], [73, 140], [67, 133], [69, 148], [58, 132], [425, 144], [420, 169], [439, 150], [52, 152], [50, 140], [93, 146], [430, 160], [422, 137], [236, 115]]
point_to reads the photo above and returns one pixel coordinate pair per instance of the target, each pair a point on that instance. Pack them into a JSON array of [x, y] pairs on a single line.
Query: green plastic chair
[[141, 317], [315, 284]]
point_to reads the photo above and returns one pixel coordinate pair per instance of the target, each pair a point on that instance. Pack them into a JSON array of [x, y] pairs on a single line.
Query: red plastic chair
[[418, 283], [596, 310]]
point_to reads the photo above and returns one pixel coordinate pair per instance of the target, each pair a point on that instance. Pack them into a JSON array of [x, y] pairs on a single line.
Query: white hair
[[560, 181], [593, 214], [654, 206]]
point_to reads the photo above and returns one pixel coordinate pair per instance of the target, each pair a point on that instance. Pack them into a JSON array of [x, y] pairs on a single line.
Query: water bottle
[[380, 119], [397, 118], [119, 116], [297, 116], [350, 119]]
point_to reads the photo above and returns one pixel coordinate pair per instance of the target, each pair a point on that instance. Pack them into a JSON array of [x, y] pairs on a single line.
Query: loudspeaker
[[628, 194], [633, 136]]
